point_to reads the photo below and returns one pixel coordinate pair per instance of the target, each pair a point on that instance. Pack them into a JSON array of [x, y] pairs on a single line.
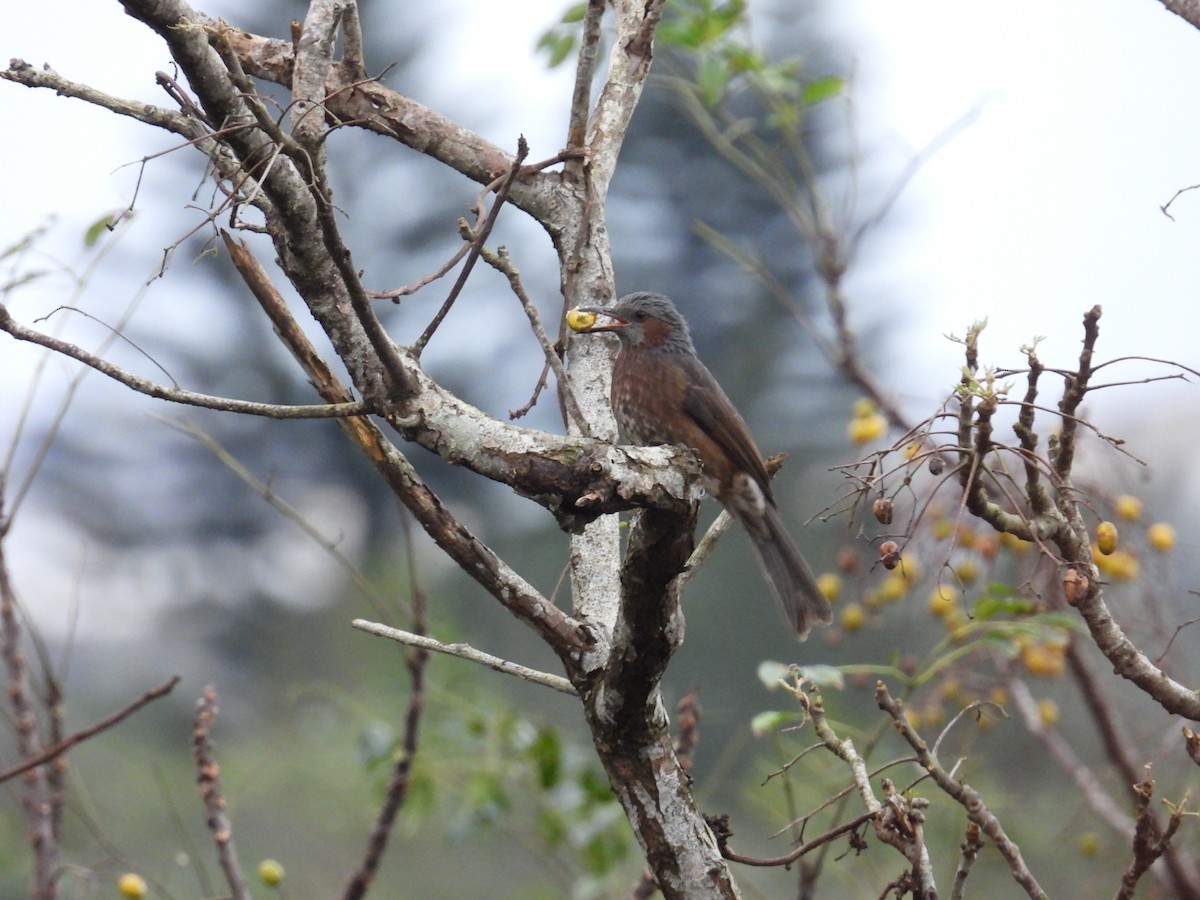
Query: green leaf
[[558, 45], [770, 721], [546, 753], [823, 676], [770, 673], [822, 89], [96, 230], [575, 13], [712, 75]]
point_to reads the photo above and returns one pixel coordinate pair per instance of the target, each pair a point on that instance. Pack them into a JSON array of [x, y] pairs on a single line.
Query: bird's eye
[[639, 316]]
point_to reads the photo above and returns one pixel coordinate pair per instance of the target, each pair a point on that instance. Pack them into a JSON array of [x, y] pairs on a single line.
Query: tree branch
[[469, 653], [174, 394]]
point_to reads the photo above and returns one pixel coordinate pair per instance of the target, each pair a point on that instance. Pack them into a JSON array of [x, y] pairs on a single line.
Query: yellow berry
[[1014, 543], [578, 320], [863, 407], [1048, 712], [893, 587], [999, 695], [1122, 566], [830, 584], [943, 601], [270, 872], [1128, 507], [909, 568], [943, 528], [853, 617], [911, 449], [1106, 537], [131, 885], [1089, 843], [912, 717], [967, 571], [1043, 659], [1161, 536], [864, 429]]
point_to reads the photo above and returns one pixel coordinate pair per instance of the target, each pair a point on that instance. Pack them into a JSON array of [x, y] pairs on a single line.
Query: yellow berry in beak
[[578, 320]]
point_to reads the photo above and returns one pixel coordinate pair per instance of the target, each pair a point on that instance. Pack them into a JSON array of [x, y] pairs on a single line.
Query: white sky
[[1048, 203]]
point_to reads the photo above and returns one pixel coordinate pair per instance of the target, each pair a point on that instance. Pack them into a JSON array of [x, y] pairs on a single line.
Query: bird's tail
[[791, 579]]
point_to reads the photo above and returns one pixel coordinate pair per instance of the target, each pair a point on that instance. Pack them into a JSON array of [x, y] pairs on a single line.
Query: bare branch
[[210, 791], [476, 245], [1188, 10], [963, 793], [175, 395], [469, 653], [82, 735]]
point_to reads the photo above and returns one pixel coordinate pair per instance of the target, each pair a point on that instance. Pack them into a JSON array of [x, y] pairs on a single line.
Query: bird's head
[[644, 320]]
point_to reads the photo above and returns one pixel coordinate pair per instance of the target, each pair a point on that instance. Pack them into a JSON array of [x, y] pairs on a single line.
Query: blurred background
[[1036, 144]]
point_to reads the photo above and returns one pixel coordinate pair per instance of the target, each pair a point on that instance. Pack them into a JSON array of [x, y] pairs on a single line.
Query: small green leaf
[[770, 673], [96, 230], [558, 45], [770, 721], [822, 89], [823, 676], [575, 13], [712, 75], [546, 752]]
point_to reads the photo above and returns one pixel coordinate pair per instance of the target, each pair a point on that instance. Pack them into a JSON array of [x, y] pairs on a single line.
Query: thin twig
[[585, 70], [289, 512], [209, 780], [501, 262], [469, 653], [401, 777], [80, 736], [176, 395], [476, 246]]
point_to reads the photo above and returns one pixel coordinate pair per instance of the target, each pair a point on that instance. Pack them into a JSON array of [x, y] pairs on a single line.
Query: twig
[[808, 846], [467, 652], [501, 262], [585, 70], [80, 736], [457, 541], [408, 289], [1060, 750], [969, 848], [176, 395], [210, 790], [289, 512], [476, 246], [1149, 840], [717, 530], [398, 783], [521, 411], [37, 797], [1191, 187], [963, 793]]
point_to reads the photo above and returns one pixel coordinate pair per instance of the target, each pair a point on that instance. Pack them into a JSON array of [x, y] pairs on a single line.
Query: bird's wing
[[716, 416]]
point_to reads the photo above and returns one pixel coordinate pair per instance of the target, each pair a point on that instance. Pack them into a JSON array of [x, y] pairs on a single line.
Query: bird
[[663, 394]]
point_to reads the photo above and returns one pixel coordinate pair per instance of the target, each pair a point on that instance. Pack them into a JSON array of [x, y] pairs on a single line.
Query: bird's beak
[[615, 322]]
